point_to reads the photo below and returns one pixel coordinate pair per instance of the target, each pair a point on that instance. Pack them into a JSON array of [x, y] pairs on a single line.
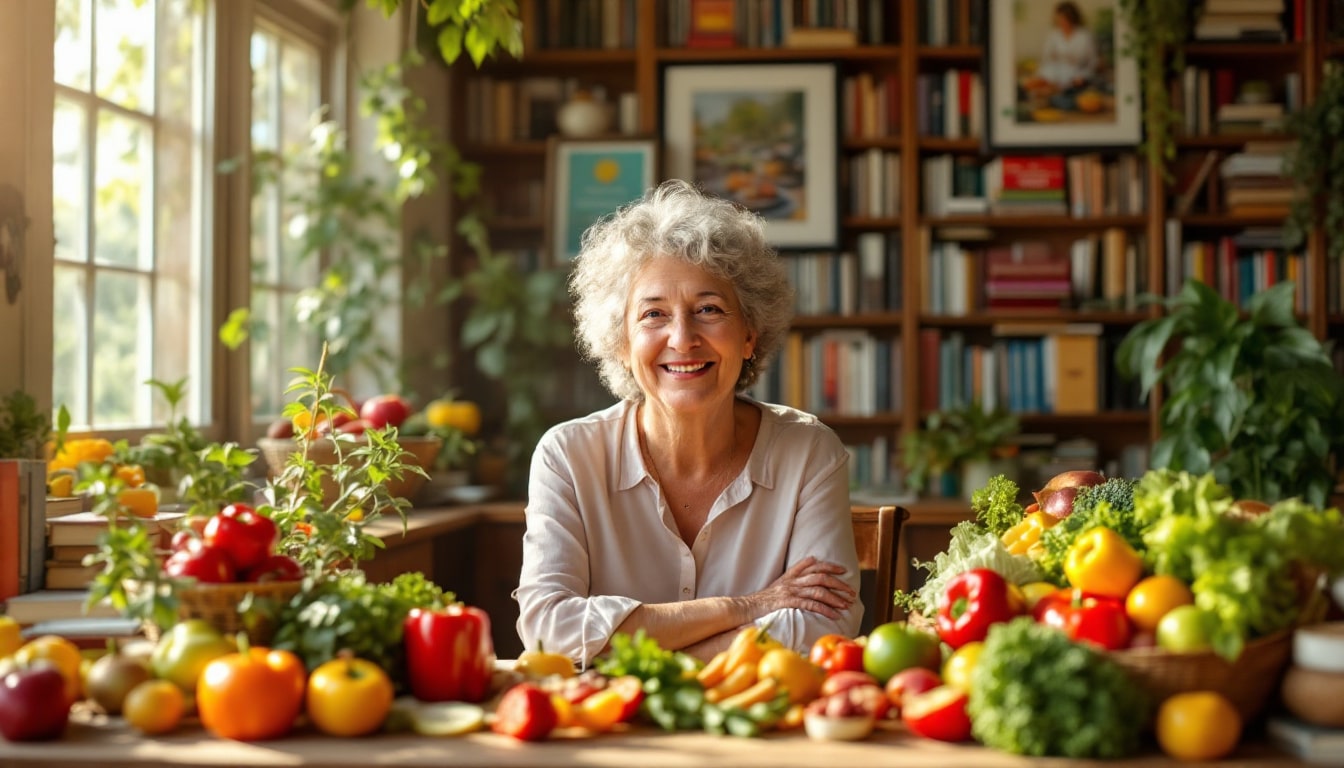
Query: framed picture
[[587, 179], [762, 135], [1056, 77]]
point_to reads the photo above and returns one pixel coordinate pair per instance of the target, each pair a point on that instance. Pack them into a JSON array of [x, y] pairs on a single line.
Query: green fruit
[[896, 646], [1184, 629], [185, 650]]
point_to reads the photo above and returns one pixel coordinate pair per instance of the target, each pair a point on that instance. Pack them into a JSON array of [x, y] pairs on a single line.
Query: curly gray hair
[[675, 220]]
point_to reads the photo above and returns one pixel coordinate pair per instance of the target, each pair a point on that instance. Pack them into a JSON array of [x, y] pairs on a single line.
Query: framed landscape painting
[[763, 136], [1056, 77], [588, 179]]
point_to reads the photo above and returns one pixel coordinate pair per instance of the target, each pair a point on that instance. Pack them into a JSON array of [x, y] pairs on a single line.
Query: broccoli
[[1110, 504], [1033, 692]]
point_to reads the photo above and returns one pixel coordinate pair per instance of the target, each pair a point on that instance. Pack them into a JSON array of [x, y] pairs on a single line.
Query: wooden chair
[[876, 533]]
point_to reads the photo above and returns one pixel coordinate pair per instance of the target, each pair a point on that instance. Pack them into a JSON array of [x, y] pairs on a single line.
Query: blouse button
[[685, 590]]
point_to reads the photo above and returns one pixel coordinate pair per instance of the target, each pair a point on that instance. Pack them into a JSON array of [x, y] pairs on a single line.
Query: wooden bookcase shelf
[[905, 61]]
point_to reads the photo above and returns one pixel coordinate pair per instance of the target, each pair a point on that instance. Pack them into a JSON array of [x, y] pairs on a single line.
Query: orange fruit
[[1153, 597], [461, 414], [154, 706], [142, 501], [1199, 725]]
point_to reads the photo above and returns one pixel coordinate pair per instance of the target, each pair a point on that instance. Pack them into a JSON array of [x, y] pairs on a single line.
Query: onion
[[1073, 478], [1060, 503]]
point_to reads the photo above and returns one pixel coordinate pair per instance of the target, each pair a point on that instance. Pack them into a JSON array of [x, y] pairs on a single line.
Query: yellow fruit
[[1033, 592], [1153, 597], [959, 666], [61, 484], [60, 652], [799, 676], [10, 639], [461, 414], [142, 501], [1200, 725], [154, 706]]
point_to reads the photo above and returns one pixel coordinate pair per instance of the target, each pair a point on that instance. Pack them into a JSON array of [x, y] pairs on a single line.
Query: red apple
[[846, 679], [353, 427], [33, 704], [338, 420], [939, 714], [275, 568], [206, 564], [909, 682], [385, 411]]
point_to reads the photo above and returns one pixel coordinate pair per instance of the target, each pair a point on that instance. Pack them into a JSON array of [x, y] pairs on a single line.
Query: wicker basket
[[218, 605], [1249, 682], [423, 451]]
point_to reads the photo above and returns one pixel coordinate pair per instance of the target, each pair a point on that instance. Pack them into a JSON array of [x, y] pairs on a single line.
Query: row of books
[[1258, 20], [1026, 368], [836, 372], [1096, 272], [1216, 101], [875, 184], [1241, 265], [589, 24], [952, 22], [502, 109], [872, 468], [948, 104], [1044, 185], [775, 23], [865, 280], [870, 105]]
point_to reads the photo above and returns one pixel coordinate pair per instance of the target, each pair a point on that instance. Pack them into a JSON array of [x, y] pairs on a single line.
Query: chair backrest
[[876, 533]]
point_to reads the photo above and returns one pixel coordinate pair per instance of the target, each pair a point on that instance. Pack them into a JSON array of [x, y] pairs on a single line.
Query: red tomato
[[939, 714], [1086, 618], [385, 411], [837, 653], [243, 533], [275, 568], [204, 563], [525, 712]]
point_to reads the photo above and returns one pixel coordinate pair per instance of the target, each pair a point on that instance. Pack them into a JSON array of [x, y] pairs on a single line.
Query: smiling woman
[[687, 510]]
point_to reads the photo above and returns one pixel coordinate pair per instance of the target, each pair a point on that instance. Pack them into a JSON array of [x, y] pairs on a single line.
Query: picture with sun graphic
[[590, 179]]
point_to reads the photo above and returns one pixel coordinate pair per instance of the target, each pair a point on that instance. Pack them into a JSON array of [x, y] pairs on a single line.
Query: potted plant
[[1251, 396], [968, 439], [1316, 165]]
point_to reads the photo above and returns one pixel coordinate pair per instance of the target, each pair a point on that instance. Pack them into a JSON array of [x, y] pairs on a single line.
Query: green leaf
[[235, 329]]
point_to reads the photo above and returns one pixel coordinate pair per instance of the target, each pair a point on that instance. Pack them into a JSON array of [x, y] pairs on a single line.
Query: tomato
[[348, 697], [1184, 629], [154, 707], [631, 691], [1153, 597], [275, 568], [1199, 725], [959, 666], [206, 564], [63, 654], [244, 534], [800, 677], [526, 713], [836, 653], [939, 714], [385, 411], [251, 695], [895, 646]]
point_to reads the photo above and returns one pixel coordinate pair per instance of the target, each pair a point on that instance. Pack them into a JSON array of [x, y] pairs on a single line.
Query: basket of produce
[[218, 604]]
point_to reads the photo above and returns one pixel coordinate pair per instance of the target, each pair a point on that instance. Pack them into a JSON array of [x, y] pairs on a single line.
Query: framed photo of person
[[762, 135], [587, 179], [1056, 77]]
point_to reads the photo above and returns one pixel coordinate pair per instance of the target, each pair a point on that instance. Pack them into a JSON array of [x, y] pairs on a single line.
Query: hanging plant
[[1157, 30], [1316, 165]]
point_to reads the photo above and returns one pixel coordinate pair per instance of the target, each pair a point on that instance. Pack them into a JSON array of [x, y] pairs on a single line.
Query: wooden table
[[109, 744]]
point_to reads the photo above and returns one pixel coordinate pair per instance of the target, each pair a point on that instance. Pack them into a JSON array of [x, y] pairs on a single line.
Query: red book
[[1033, 172], [711, 24], [929, 342]]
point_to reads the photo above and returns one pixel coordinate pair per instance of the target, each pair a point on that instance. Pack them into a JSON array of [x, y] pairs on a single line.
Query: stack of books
[[1254, 183], [1312, 744], [1029, 185], [1242, 20]]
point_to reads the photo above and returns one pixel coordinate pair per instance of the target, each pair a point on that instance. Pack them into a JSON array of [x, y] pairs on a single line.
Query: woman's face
[[687, 335]]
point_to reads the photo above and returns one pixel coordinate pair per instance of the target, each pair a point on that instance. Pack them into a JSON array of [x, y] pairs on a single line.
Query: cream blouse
[[601, 540]]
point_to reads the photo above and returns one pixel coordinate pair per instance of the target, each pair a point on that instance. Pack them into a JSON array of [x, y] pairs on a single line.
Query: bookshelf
[[927, 252]]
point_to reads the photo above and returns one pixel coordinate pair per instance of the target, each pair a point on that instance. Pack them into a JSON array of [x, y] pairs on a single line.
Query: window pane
[[264, 118], [180, 64], [69, 179], [122, 353], [74, 45], [301, 92], [122, 202], [267, 385], [70, 343], [124, 53]]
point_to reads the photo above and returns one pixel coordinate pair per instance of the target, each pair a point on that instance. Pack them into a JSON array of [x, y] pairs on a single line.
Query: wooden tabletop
[[102, 743]]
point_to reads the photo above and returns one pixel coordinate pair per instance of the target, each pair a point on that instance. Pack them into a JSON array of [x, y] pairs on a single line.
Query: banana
[[763, 690], [738, 680]]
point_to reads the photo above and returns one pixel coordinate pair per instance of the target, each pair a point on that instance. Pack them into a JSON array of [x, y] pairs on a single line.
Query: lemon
[[461, 414]]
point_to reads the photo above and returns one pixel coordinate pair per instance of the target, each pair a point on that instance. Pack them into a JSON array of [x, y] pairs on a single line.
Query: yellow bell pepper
[[1102, 563], [1022, 537]]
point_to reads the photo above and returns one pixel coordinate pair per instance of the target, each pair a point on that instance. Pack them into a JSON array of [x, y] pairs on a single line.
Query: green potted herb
[[969, 439], [1157, 31], [1251, 396]]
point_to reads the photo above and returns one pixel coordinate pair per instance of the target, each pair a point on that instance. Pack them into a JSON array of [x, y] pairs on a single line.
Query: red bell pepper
[[1086, 618], [243, 533], [972, 602], [449, 653], [836, 653]]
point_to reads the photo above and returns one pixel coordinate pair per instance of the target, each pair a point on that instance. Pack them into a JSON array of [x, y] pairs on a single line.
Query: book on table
[[1314, 744], [52, 604], [84, 528]]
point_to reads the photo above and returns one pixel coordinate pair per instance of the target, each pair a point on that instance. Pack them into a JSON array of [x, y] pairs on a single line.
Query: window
[[130, 171], [287, 87]]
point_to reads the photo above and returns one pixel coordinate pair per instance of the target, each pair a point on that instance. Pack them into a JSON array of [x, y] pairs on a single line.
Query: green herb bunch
[[23, 427], [1316, 164]]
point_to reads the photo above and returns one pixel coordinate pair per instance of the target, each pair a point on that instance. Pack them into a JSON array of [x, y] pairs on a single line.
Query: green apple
[[895, 646], [185, 650], [1184, 629]]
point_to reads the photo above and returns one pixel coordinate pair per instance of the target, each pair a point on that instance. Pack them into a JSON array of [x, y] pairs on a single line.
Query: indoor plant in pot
[[969, 439], [1316, 165], [1250, 396]]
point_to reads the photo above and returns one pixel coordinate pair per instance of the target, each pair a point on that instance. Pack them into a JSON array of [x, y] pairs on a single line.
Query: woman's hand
[[810, 585]]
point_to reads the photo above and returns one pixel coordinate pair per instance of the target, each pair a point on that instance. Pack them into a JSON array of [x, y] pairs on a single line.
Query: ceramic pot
[[582, 116]]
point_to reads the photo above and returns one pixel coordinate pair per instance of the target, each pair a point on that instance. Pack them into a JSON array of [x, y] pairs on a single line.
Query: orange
[[154, 706], [800, 677], [959, 666], [142, 501], [133, 475], [600, 711], [1200, 725], [1153, 597]]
